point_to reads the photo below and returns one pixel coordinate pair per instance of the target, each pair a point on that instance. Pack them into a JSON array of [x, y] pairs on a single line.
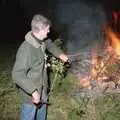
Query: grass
[[9, 97], [63, 105]]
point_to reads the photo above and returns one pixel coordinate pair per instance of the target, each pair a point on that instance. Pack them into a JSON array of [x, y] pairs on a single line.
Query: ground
[[64, 106]]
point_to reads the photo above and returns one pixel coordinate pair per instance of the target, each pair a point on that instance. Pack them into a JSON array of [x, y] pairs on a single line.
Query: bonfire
[[105, 69]]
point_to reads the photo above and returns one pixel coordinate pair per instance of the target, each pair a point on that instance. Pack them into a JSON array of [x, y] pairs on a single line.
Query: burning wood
[[105, 70]]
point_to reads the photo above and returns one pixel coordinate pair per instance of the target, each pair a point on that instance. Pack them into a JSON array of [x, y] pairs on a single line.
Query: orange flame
[[98, 63], [93, 63], [114, 41]]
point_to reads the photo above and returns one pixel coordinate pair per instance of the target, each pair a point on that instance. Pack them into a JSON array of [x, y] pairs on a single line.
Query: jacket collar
[[32, 40]]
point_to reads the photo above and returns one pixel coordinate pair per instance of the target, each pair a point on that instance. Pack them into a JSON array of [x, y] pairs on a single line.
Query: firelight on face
[[42, 33]]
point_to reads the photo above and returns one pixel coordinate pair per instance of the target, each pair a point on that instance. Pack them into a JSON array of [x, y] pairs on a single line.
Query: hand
[[36, 97], [63, 57]]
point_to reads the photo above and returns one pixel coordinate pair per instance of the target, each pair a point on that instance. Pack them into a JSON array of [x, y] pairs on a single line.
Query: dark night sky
[[15, 16]]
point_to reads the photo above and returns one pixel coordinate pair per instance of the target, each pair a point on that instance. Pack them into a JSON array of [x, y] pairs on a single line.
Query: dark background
[[15, 15]]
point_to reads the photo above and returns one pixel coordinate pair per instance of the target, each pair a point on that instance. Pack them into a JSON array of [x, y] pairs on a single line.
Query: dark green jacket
[[29, 71]]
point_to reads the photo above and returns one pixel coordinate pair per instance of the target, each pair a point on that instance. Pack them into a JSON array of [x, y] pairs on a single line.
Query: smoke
[[80, 23]]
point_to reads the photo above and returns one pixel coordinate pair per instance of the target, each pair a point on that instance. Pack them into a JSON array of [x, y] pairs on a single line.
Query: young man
[[29, 71]]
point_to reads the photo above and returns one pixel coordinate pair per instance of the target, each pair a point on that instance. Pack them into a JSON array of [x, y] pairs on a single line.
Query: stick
[[73, 55], [52, 85]]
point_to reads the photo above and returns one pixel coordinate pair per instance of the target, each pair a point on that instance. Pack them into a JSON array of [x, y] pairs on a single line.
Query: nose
[[48, 30]]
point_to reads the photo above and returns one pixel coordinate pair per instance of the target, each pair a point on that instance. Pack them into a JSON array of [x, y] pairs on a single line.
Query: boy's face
[[42, 33]]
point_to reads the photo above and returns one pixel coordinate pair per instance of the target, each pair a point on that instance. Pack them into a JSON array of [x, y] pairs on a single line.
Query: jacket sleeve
[[52, 48], [20, 69]]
